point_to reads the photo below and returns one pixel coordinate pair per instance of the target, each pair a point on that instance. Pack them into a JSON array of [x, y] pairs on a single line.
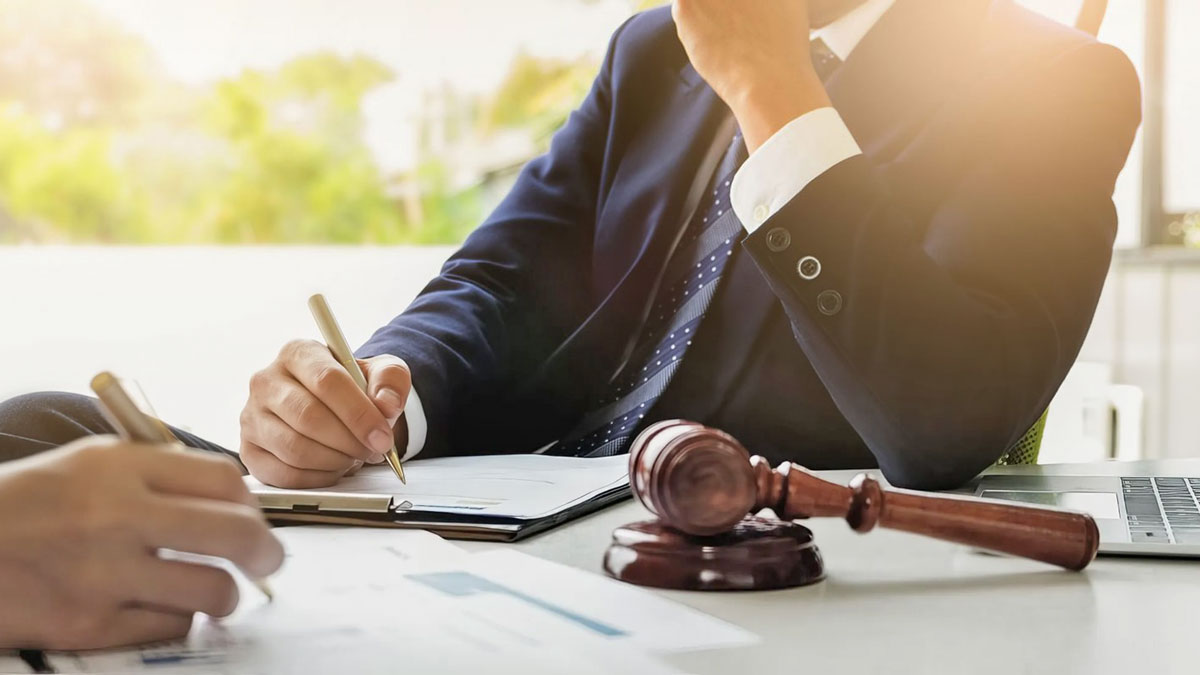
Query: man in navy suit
[[849, 232]]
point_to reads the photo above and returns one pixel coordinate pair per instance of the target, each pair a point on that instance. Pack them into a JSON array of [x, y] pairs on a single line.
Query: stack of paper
[[374, 601]]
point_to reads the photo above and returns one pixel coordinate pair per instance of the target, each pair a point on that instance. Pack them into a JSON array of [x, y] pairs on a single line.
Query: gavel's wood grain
[[703, 482], [756, 554]]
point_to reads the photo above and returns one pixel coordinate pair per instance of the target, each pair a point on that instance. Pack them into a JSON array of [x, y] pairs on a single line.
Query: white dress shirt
[[414, 416], [805, 148]]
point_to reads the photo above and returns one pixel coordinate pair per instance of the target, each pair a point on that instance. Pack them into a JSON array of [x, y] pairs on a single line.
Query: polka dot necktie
[[688, 286]]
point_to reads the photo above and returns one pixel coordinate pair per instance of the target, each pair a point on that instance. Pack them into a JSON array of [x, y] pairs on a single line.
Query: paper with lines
[[368, 601], [511, 486]]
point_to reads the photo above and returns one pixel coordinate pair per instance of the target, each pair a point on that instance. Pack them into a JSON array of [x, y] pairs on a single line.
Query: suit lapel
[[672, 145]]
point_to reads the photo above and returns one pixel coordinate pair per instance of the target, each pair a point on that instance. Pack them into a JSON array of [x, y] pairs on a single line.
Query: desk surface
[[897, 603]]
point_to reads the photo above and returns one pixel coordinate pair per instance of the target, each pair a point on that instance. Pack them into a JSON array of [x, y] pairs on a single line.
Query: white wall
[[189, 324]]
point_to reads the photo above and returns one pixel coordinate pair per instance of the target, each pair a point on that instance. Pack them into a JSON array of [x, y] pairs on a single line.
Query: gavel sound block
[[701, 483]]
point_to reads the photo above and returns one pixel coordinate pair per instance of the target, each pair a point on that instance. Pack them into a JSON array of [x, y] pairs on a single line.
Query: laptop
[[1150, 516]]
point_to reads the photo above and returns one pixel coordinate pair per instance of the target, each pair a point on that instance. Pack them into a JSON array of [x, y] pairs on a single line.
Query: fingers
[[185, 587], [130, 625], [193, 474], [271, 470], [309, 414], [388, 383], [294, 448], [234, 532], [304, 412], [138, 625], [317, 371]]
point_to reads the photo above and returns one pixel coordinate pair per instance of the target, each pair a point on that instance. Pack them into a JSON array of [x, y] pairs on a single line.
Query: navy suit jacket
[[965, 250]]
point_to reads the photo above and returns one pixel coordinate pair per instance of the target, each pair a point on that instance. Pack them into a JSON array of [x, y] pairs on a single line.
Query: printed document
[[358, 600]]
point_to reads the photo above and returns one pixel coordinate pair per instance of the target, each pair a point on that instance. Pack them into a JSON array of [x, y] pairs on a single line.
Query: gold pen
[[135, 425], [336, 341]]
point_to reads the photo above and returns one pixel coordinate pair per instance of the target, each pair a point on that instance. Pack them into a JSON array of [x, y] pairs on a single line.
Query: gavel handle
[[1060, 538]]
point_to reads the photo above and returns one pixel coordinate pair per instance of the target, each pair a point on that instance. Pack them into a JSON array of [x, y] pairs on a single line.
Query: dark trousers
[[34, 423]]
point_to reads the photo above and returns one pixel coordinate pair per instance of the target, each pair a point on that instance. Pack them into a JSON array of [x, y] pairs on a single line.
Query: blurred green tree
[[98, 145], [62, 186], [538, 94], [299, 172]]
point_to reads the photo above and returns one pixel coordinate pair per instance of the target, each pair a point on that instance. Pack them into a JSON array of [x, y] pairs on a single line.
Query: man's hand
[[80, 531], [307, 424], [755, 55]]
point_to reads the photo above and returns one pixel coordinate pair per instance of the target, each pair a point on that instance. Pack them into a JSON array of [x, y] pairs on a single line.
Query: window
[[1158, 194], [243, 121], [1181, 114]]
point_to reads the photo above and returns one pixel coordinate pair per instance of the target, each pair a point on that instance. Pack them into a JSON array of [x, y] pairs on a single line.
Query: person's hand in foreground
[[307, 424], [79, 537]]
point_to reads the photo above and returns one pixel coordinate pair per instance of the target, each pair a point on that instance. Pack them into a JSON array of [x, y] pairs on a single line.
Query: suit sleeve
[[490, 310], [942, 325]]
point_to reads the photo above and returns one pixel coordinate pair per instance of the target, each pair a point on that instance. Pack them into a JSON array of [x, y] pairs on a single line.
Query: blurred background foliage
[[99, 145]]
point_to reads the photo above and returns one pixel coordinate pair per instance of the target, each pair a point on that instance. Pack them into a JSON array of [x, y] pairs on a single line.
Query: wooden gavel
[[701, 481]]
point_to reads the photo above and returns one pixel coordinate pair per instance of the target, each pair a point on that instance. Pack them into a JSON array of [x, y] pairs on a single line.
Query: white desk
[[897, 603]]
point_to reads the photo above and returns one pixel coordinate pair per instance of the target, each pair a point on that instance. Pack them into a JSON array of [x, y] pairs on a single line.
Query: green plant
[[1188, 228]]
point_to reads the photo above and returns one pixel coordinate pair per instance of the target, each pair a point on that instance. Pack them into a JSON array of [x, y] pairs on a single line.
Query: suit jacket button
[[809, 268], [829, 302], [778, 239]]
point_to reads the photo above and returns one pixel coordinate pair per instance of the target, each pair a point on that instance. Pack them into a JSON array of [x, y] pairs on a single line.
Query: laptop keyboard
[[1162, 510]]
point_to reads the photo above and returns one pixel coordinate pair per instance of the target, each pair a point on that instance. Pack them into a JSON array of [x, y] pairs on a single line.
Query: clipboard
[[497, 497]]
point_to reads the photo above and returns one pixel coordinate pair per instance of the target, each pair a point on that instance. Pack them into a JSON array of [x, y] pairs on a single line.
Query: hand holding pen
[[134, 425], [81, 528], [309, 421]]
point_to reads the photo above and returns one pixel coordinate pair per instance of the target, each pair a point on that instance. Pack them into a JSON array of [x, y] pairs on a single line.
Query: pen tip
[[266, 590], [393, 460]]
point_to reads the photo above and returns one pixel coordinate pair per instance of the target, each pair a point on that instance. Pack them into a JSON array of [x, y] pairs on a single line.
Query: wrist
[[762, 108]]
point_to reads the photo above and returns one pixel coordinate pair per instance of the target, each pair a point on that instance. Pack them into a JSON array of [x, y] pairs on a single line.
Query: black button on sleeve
[[829, 302]]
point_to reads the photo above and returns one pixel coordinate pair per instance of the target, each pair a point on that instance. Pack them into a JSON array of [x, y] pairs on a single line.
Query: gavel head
[[695, 479]]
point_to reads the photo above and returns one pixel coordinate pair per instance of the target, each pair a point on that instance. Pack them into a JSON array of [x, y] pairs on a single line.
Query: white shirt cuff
[[805, 148], [418, 426]]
